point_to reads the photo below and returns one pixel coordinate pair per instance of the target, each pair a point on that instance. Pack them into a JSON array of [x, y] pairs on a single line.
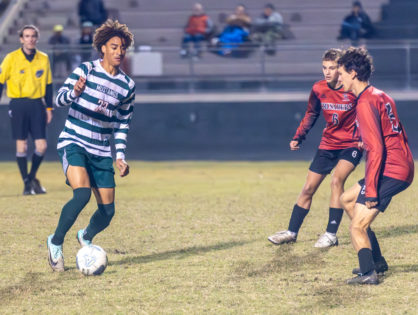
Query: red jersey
[[385, 141], [338, 108]]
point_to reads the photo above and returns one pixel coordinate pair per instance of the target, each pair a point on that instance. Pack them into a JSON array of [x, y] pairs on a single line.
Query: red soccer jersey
[[384, 140], [338, 108]]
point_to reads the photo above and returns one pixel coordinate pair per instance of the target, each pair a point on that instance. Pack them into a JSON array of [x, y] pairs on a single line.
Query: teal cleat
[[55, 256], [81, 239]]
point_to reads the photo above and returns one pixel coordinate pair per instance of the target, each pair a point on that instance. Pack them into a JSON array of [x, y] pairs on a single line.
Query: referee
[[27, 73]]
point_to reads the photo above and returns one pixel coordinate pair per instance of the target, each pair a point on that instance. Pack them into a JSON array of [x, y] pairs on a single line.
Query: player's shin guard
[[377, 254], [296, 220], [22, 163], [365, 258], [334, 220], [37, 158], [100, 220], [70, 212]]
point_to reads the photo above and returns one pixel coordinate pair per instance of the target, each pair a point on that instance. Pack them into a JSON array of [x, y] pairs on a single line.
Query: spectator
[[356, 25], [268, 28], [235, 33], [61, 59], [93, 11], [198, 28], [86, 41]]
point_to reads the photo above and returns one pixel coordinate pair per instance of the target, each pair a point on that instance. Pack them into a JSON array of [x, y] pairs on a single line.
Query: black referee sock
[[296, 220], [36, 162], [377, 254], [22, 163], [334, 220], [365, 258], [70, 213], [100, 220]]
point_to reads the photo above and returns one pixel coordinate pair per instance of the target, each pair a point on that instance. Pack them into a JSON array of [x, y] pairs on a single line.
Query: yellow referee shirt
[[24, 78]]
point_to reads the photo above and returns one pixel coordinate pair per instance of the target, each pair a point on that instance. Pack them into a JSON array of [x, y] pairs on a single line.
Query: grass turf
[[191, 237]]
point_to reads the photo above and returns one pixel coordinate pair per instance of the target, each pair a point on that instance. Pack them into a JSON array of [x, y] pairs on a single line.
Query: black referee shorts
[[387, 188], [28, 116], [325, 160]]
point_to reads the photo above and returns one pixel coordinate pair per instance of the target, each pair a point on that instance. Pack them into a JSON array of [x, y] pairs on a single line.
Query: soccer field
[[191, 237]]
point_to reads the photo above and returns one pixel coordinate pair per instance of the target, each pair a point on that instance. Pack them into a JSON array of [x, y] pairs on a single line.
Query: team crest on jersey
[[323, 96], [346, 97], [22, 71], [39, 73]]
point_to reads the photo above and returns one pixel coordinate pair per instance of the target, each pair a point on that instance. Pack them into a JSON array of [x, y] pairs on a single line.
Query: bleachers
[[159, 23]]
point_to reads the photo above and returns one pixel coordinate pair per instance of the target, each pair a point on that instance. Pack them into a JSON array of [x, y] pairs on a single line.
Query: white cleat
[[326, 240], [283, 237]]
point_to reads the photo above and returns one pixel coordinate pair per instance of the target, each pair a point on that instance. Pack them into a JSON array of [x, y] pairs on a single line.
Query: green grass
[[191, 237]]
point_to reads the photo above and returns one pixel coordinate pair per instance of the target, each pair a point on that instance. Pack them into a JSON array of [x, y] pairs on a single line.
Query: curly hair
[[359, 60], [111, 29], [332, 54]]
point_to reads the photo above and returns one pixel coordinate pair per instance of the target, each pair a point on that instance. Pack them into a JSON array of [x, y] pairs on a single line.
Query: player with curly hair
[[100, 96]]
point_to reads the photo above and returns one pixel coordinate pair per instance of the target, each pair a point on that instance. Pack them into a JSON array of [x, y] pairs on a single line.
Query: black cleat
[[368, 278], [37, 187], [28, 189], [381, 267]]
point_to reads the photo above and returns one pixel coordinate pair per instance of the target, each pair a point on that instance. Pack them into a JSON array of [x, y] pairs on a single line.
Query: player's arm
[[73, 86], [4, 72], [123, 119], [371, 135], [311, 115]]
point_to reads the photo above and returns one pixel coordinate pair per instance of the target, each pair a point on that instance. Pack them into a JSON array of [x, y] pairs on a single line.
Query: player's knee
[[308, 190], [108, 210], [41, 147], [21, 147], [82, 195], [337, 184]]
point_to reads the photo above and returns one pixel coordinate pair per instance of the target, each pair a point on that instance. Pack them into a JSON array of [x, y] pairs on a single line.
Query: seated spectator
[[268, 28], [86, 41], [61, 58], [199, 26], [92, 11], [235, 33], [356, 25]]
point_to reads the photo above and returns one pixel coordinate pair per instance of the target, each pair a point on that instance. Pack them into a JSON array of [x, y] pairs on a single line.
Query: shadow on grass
[[178, 253], [328, 297], [403, 268], [283, 261], [394, 231]]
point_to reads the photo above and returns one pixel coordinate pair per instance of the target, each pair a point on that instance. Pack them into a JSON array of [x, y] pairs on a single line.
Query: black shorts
[[28, 116], [387, 188], [325, 160]]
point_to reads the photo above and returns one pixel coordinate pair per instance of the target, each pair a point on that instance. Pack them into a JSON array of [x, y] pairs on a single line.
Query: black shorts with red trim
[[387, 188]]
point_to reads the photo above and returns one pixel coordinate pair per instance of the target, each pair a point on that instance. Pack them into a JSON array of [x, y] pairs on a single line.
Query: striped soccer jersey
[[104, 107]]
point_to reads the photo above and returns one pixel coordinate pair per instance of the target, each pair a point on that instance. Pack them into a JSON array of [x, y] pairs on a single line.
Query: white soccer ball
[[91, 260]]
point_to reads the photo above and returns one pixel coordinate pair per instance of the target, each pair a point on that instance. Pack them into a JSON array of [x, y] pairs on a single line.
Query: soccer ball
[[91, 260]]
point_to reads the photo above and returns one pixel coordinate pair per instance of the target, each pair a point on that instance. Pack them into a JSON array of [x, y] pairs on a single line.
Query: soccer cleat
[[55, 256], [381, 266], [37, 187], [326, 240], [368, 278], [283, 237], [28, 189], [81, 240]]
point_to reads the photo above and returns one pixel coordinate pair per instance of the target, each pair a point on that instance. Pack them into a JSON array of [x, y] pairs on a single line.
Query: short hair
[[270, 6], [357, 4], [28, 27], [332, 54], [359, 60], [111, 29]]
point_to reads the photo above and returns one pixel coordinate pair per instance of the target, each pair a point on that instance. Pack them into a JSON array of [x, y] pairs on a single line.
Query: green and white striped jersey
[[104, 107]]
